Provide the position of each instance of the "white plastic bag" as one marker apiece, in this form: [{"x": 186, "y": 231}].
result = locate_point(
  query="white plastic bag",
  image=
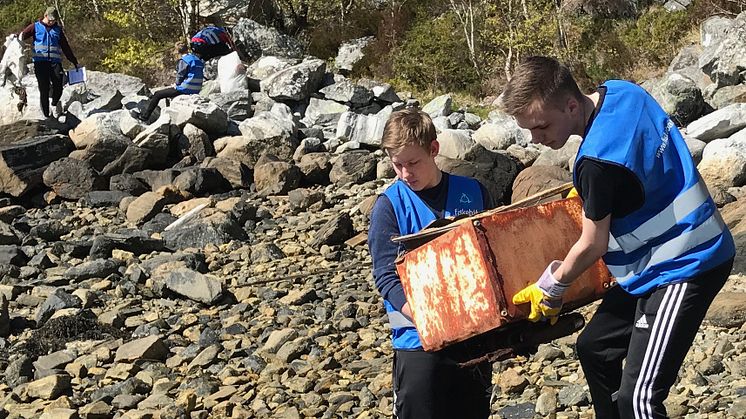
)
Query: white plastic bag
[
  {"x": 13, "y": 63},
  {"x": 231, "y": 73}
]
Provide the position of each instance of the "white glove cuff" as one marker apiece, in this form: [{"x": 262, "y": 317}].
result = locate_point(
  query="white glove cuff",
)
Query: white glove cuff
[{"x": 549, "y": 284}]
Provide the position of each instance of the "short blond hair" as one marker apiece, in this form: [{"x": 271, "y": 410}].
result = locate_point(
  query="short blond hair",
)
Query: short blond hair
[
  {"x": 408, "y": 126},
  {"x": 537, "y": 79}
]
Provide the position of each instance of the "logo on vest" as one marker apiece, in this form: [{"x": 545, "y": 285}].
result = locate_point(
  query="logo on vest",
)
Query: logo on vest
[
  {"x": 642, "y": 323},
  {"x": 465, "y": 199}
]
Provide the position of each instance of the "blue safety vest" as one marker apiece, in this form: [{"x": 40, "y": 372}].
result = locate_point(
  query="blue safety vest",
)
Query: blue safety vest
[
  {"x": 47, "y": 43},
  {"x": 209, "y": 35},
  {"x": 678, "y": 232},
  {"x": 412, "y": 215},
  {"x": 192, "y": 83}
]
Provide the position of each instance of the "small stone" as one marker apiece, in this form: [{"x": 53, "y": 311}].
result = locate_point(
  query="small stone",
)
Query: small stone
[
  {"x": 96, "y": 410},
  {"x": 60, "y": 413},
  {"x": 512, "y": 382},
  {"x": 148, "y": 348}
]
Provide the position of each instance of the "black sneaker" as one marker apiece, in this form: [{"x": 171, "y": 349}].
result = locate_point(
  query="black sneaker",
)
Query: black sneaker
[{"x": 137, "y": 115}]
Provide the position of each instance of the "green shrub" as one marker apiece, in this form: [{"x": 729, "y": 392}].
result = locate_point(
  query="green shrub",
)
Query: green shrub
[
  {"x": 657, "y": 35},
  {"x": 434, "y": 55},
  {"x": 137, "y": 57}
]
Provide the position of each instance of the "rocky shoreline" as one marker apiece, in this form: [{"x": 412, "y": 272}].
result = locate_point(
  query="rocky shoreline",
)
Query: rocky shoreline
[{"x": 213, "y": 263}]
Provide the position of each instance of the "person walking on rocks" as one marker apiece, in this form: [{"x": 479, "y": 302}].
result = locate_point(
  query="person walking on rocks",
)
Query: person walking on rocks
[
  {"x": 189, "y": 79},
  {"x": 427, "y": 385},
  {"x": 212, "y": 41},
  {"x": 50, "y": 44},
  {"x": 647, "y": 212}
]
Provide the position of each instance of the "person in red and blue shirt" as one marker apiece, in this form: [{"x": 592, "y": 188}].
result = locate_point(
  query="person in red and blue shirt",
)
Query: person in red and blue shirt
[
  {"x": 50, "y": 44},
  {"x": 212, "y": 41}
]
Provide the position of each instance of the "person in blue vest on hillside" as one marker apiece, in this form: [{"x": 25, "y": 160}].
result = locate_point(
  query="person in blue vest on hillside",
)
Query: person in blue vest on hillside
[
  {"x": 189, "y": 79},
  {"x": 427, "y": 385},
  {"x": 212, "y": 41},
  {"x": 50, "y": 44},
  {"x": 647, "y": 212}
]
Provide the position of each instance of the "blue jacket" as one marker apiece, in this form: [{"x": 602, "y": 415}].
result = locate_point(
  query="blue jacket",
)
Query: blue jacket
[
  {"x": 47, "y": 43},
  {"x": 412, "y": 215},
  {"x": 192, "y": 83},
  {"x": 678, "y": 232},
  {"x": 210, "y": 35}
]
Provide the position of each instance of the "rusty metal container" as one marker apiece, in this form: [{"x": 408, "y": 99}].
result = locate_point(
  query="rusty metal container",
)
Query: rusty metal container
[{"x": 461, "y": 283}]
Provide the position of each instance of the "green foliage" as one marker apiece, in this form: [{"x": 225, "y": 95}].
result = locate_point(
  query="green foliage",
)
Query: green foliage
[
  {"x": 657, "y": 35},
  {"x": 133, "y": 56},
  {"x": 433, "y": 55},
  {"x": 16, "y": 14}
]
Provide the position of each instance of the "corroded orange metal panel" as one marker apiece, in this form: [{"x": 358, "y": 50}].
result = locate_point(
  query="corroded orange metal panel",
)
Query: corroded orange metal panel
[
  {"x": 451, "y": 288},
  {"x": 461, "y": 284}
]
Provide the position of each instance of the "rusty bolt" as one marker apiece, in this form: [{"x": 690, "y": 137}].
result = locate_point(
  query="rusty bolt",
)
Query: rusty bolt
[{"x": 504, "y": 313}]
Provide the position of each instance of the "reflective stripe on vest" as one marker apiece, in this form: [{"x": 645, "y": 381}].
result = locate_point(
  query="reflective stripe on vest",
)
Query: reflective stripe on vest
[
  {"x": 412, "y": 215},
  {"x": 192, "y": 83},
  {"x": 47, "y": 43},
  {"x": 677, "y": 233}
]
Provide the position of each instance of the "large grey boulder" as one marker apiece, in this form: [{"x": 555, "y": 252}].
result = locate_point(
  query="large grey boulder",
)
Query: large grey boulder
[
  {"x": 210, "y": 228},
  {"x": 724, "y": 161},
  {"x": 276, "y": 177},
  {"x": 601, "y": 8},
  {"x": 678, "y": 95},
  {"x": 346, "y": 91},
  {"x": 97, "y": 128},
  {"x": 440, "y": 106},
  {"x": 71, "y": 178},
  {"x": 727, "y": 95},
  {"x": 538, "y": 178},
  {"x": 353, "y": 167},
  {"x": 383, "y": 92},
  {"x": 157, "y": 138},
  {"x": 499, "y": 134},
  {"x": 200, "y": 112},
  {"x": 364, "y": 129},
  {"x": 560, "y": 157},
  {"x": 22, "y": 164},
  {"x": 719, "y": 124},
  {"x": 256, "y": 40},
  {"x": 99, "y": 84},
  {"x": 269, "y": 65},
  {"x": 455, "y": 144},
  {"x": 350, "y": 53},
  {"x": 325, "y": 113},
  {"x": 272, "y": 132},
  {"x": 295, "y": 83},
  {"x": 713, "y": 30},
  {"x": 236, "y": 104},
  {"x": 496, "y": 171},
  {"x": 725, "y": 62}
]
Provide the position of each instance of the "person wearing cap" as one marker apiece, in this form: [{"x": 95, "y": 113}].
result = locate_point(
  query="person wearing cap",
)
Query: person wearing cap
[
  {"x": 50, "y": 44},
  {"x": 189, "y": 78},
  {"x": 212, "y": 41}
]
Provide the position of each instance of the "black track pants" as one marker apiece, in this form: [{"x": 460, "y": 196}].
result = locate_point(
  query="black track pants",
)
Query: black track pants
[
  {"x": 168, "y": 93},
  {"x": 653, "y": 333},
  {"x": 430, "y": 385},
  {"x": 48, "y": 77}
]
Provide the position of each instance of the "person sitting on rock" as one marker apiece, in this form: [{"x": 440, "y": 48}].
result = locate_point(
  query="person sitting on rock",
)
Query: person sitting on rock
[
  {"x": 189, "y": 78},
  {"x": 50, "y": 44},
  {"x": 212, "y": 41},
  {"x": 426, "y": 385}
]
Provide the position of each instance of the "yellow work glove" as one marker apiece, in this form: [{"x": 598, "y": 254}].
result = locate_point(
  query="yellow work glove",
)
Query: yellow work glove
[{"x": 545, "y": 296}]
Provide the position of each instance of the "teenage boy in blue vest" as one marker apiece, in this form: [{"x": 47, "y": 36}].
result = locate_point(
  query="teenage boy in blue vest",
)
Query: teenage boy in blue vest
[
  {"x": 647, "y": 212},
  {"x": 427, "y": 385},
  {"x": 189, "y": 79},
  {"x": 49, "y": 45}
]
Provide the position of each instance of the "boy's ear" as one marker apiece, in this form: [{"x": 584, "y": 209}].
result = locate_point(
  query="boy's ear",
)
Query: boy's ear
[{"x": 434, "y": 148}]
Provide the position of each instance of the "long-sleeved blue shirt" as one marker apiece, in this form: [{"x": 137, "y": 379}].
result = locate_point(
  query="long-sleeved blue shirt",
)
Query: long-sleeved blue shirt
[{"x": 383, "y": 226}]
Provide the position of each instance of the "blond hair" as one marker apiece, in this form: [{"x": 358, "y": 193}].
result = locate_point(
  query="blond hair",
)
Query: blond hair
[
  {"x": 542, "y": 80},
  {"x": 408, "y": 126}
]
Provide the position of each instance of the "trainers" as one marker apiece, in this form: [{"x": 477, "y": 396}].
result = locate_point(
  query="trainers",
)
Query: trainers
[
  {"x": 57, "y": 110},
  {"x": 137, "y": 115}
]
